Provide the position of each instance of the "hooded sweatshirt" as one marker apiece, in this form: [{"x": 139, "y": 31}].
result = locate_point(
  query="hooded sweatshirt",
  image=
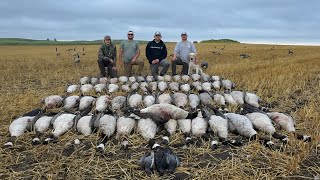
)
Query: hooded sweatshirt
[{"x": 156, "y": 50}]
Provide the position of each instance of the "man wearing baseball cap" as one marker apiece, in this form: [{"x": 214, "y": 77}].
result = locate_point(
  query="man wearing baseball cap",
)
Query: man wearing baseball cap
[
  {"x": 181, "y": 54},
  {"x": 107, "y": 58},
  {"x": 156, "y": 52}
]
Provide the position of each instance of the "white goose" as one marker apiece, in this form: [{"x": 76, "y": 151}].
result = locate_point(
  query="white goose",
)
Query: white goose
[
  {"x": 241, "y": 124},
  {"x": 118, "y": 102},
  {"x": 219, "y": 99},
  {"x": 70, "y": 102},
  {"x": 84, "y": 80},
  {"x": 162, "y": 86},
  {"x": 185, "y": 78},
  {"x": 132, "y": 79},
  {"x": 238, "y": 96},
  {"x": 170, "y": 127},
  {"x": 153, "y": 86},
  {"x": 112, "y": 88},
  {"x": 185, "y": 88},
  {"x": 252, "y": 99},
  {"x": 167, "y": 78},
  {"x": 205, "y": 77},
  {"x": 180, "y": 99},
  {"x": 113, "y": 80},
  {"x": 164, "y": 98},
  {"x": 86, "y": 88},
  {"x": 228, "y": 85},
  {"x": 103, "y": 80},
  {"x": 199, "y": 125},
  {"x": 125, "y": 88},
  {"x": 216, "y": 85},
  {"x": 123, "y": 79},
  {"x": 107, "y": 126},
  {"x": 86, "y": 101},
  {"x": 102, "y": 103},
  {"x": 206, "y": 86},
  {"x": 147, "y": 128},
  {"x": 94, "y": 81},
  {"x": 194, "y": 101},
  {"x": 41, "y": 124},
  {"x": 99, "y": 88},
  {"x": 135, "y": 100},
  {"x": 195, "y": 77},
  {"x": 215, "y": 78},
  {"x": 176, "y": 78},
  {"x": 149, "y": 78},
  {"x": 174, "y": 86},
  {"x": 52, "y": 101},
  {"x": 72, "y": 88},
  {"x": 125, "y": 125},
  {"x": 229, "y": 99}
]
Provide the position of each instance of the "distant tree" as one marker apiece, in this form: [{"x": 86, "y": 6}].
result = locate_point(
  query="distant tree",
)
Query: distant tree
[
  {"x": 195, "y": 41},
  {"x": 55, "y": 39},
  {"x": 48, "y": 39}
]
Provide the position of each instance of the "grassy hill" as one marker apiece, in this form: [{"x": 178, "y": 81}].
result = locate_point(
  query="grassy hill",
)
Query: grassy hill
[
  {"x": 21, "y": 41},
  {"x": 220, "y": 41}
]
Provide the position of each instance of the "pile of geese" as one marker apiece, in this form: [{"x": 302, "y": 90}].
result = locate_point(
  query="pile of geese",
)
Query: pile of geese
[{"x": 195, "y": 106}]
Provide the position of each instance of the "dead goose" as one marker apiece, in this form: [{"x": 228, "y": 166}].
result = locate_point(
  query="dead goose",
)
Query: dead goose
[
  {"x": 160, "y": 78},
  {"x": 107, "y": 126},
  {"x": 52, "y": 101},
  {"x": 86, "y": 88},
  {"x": 103, "y": 80},
  {"x": 86, "y": 101},
  {"x": 70, "y": 103},
  {"x": 72, "y": 89},
  {"x": 185, "y": 78},
  {"x": 205, "y": 97},
  {"x": 162, "y": 86},
  {"x": 84, "y": 80},
  {"x": 195, "y": 77},
  {"x": 194, "y": 101},
  {"x": 180, "y": 99},
  {"x": 215, "y": 78},
  {"x": 206, "y": 86},
  {"x": 197, "y": 86},
  {"x": 170, "y": 127},
  {"x": 252, "y": 99},
  {"x": 174, "y": 86},
  {"x": 94, "y": 81},
  {"x": 41, "y": 124},
  {"x": 216, "y": 85},
  {"x": 117, "y": 103},
  {"x": 101, "y": 103},
  {"x": 149, "y": 100},
  {"x": 144, "y": 86},
  {"x": 164, "y": 98},
  {"x": 112, "y": 88},
  {"x": 205, "y": 77},
  {"x": 134, "y": 86},
  {"x": 185, "y": 127},
  {"x": 167, "y": 78},
  {"x": 113, "y": 80},
  {"x": 125, "y": 88},
  {"x": 140, "y": 79},
  {"x": 147, "y": 128},
  {"x": 150, "y": 79},
  {"x": 219, "y": 99},
  {"x": 238, "y": 97},
  {"x": 125, "y": 125},
  {"x": 185, "y": 88},
  {"x": 199, "y": 125},
  {"x": 123, "y": 79},
  {"x": 241, "y": 124},
  {"x": 228, "y": 85},
  {"x": 229, "y": 99},
  {"x": 135, "y": 100},
  {"x": 132, "y": 79},
  {"x": 176, "y": 78},
  {"x": 99, "y": 88},
  {"x": 146, "y": 162},
  {"x": 153, "y": 86}
]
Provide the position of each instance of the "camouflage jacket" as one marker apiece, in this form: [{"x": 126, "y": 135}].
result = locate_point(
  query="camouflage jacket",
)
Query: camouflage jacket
[{"x": 106, "y": 52}]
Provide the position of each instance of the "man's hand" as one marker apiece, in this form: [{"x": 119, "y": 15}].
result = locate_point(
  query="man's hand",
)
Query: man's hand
[
  {"x": 114, "y": 68},
  {"x": 156, "y": 61},
  {"x": 133, "y": 60},
  {"x": 174, "y": 57}
]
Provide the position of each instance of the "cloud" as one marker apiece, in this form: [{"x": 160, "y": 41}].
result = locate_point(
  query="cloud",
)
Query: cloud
[{"x": 250, "y": 20}]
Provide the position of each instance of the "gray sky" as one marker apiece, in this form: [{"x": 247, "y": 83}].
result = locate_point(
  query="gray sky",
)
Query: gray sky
[{"x": 248, "y": 21}]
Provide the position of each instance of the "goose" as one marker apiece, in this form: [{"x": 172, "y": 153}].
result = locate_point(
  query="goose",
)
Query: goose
[
  {"x": 205, "y": 77},
  {"x": 113, "y": 80},
  {"x": 86, "y": 101},
  {"x": 216, "y": 85},
  {"x": 227, "y": 85},
  {"x": 197, "y": 85},
  {"x": 140, "y": 79},
  {"x": 215, "y": 78},
  {"x": 219, "y": 126},
  {"x": 263, "y": 123},
  {"x": 176, "y": 78},
  {"x": 153, "y": 86},
  {"x": 185, "y": 128},
  {"x": 185, "y": 78},
  {"x": 149, "y": 79},
  {"x": 84, "y": 80},
  {"x": 118, "y": 102},
  {"x": 162, "y": 86},
  {"x": 252, "y": 99},
  {"x": 199, "y": 125},
  {"x": 206, "y": 86},
  {"x": 205, "y": 97},
  {"x": 160, "y": 78},
  {"x": 99, "y": 88},
  {"x": 164, "y": 98},
  {"x": 149, "y": 100},
  {"x": 102, "y": 103},
  {"x": 125, "y": 125},
  {"x": 144, "y": 86},
  {"x": 229, "y": 99},
  {"x": 180, "y": 99},
  {"x": 194, "y": 101},
  {"x": 146, "y": 162},
  {"x": 41, "y": 124},
  {"x": 147, "y": 128},
  {"x": 162, "y": 113},
  {"x": 107, "y": 124},
  {"x": 61, "y": 124},
  {"x": 70, "y": 102},
  {"x": 52, "y": 101},
  {"x": 123, "y": 79},
  {"x": 103, "y": 80},
  {"x": 85, "y": 124},
  {"x": 238, "y": 96},
  {"x": 132, "y": 79},
  {"x": 134, "y": 86},
  {"x": 86, "y": 88},
  {"x": 219, "y": 99},
  {"x": 94, "y": 81},
  {"x": 112, "y": 88},
  {"x": 135, "y": 100},
  {"x": 72, "y": 89},
  {"x": 170, "y": 127},
  {"x": 195, "y": 77},
  {"x": 185, "y": 88},
  {"x": 165, "y": 159},
  {"x": 174, "y": 86},
  {"x": 125, "y": 88},
  {"x": 241, "y": 124},
  {"x": 167, "y": 78},
  {"x": 18, "y": 127}
]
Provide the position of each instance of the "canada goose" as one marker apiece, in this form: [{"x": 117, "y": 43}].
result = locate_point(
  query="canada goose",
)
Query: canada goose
[
  {"x": 86, "y": 101},
  {"x": 167, "y": 78},
  {"x": 41, "y": 124},
  {"x": 84, "y": 80},
  {"x": 147, "y": 128},
  {"x": 94, "y": 81},
  {"x": 238, "y": 97},
  {"x": 252, "y": 99},
  {"x": 107, "y": 126},
  {"x": 185, "y": 78},
  {"x": 195, "y": 77},
  {"x": 164, "y": 98},
  {"x": 132, "y": 79},
  {"x": 162, "y": 86},
  {"x": 176, "y": 78},
  {"x": 174, "y": 86},
  {"x": 228, "y": 85},
  {"x": 241, "y": 124},
  {"x": 123, "y": 79},
  {"x": 117, "y": 103},
  {"x": 194, "y": 101},
  {"x": 99, "y": 88},
  {"x": 101, "y": 103},
  {"x": 147, "y": 162},
  {"x": 180, "y": 99}
]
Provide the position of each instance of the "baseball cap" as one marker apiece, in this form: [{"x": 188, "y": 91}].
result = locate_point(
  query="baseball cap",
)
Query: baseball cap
[
  {"x": 107, "y": 37},
  {"x": 184, "y": 33},
  {"x": 157, "y": 33}
]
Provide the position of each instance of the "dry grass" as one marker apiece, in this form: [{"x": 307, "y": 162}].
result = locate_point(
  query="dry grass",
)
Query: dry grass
[{"x": 286, "y": 83}]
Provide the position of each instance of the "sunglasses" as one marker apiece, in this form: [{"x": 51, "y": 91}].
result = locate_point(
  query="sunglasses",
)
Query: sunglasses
[{"x": 130, "y": 34}]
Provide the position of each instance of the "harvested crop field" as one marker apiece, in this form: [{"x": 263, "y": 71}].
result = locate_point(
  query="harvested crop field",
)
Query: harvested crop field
[{"x": 285, "y": 83}]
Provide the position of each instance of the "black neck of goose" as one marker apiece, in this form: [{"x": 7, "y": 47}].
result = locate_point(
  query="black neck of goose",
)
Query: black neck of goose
[{"x": 192, "y": 115}]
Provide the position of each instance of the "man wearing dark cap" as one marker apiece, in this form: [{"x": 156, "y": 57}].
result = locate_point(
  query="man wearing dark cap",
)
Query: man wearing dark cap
[
  {"x": 129, "y": 53},
  {"x": 107, "y": 58},
  {"x": 181, "y": 55},
  {"x": 156, "y": 52}
]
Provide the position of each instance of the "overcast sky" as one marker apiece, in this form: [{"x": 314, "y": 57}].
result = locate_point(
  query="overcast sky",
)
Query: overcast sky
[{"x": 248, "y": 21}]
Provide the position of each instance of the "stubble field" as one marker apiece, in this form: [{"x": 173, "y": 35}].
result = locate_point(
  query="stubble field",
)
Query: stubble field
[{"x": 285, "y": 83}]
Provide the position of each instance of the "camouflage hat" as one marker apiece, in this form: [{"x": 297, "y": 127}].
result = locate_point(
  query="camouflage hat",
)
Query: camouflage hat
[{"x": 107, "y": 37}]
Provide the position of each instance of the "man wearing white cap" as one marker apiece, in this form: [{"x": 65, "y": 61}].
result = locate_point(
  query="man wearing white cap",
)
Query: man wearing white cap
[
  {"x": 156, "y": 52},
  {"x": 181, "y": 54}
]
